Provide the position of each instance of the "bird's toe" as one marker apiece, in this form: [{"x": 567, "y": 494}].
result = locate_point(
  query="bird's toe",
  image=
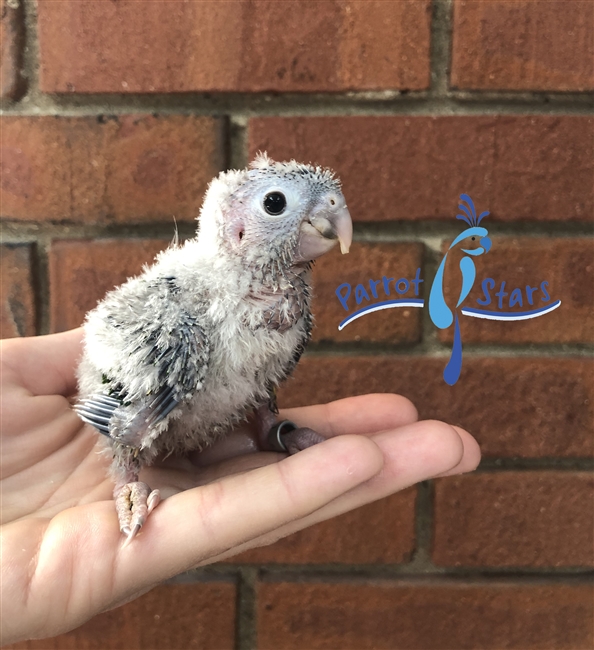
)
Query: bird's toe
[
  {"x": 287, "y": 437},
  {"x": 134, "y": 502}
]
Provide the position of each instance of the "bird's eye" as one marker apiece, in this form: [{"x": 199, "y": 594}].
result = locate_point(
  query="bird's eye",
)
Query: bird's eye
[
  {"x": 473, "y": 238},
  {"x": 275, "y": 203}
]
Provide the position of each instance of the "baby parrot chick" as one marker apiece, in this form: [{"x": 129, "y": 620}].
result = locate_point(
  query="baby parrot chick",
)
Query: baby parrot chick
[{"x": 174, "y": 358}]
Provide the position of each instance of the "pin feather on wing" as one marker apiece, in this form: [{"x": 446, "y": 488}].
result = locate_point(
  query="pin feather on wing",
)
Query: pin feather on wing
[{"x": 162, "y": 361}]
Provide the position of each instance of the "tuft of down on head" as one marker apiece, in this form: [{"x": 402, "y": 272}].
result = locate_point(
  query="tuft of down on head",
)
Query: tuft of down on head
[
  {"x": 274, "y": 212},
  {"x": 323, "y": 175}
]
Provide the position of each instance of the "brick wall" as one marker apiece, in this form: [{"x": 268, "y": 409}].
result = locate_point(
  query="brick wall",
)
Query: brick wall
[{"x": 116, "y": 115}]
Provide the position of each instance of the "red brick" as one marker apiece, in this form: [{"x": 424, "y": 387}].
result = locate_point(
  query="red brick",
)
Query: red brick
[
  {"x": 415, "y": 615},
  {"x": 380, "y": 533},
  {"x": 17, "y": 294},
  {"x": 401, "y": 168},
  {"x": 200, "y": 615},
  {"x": 523, "y": 45},
  {"x": 90, "y": 46},
  {"x": 133, "y": 168},
  {"x": 520, "y": 519},
  {"x": 11, "y": 49},
  {"x": 543, "y": 169},
  {"x": 522, "y": 406},
  {"x": 568, "y": 267},
  {"x": 83, "y": 271},
  {"x": 364, "y": 263}
]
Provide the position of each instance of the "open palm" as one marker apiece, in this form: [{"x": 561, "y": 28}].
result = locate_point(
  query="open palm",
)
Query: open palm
[{"x": 63, "y": 558}]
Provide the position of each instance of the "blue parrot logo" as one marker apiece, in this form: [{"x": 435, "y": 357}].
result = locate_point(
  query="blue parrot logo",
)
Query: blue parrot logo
[
  {"x": 457, "y": 271},
  {"x": 473, "y": 241}
]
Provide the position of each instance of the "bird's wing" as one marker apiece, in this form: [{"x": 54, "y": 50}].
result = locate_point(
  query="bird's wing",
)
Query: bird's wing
[
  {"x": 468, "y": 276},
  {"x": 166, "y": 353}
]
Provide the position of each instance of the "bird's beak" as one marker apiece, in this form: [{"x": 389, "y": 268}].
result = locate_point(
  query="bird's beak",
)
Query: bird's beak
[
  {"x": 486, "y": 244},
  {"x": 322, "y": 230}
]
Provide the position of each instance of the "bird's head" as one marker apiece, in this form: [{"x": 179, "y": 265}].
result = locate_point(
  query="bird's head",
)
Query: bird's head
[
  {"x": 282, "y": 213},
  {"x": 473, "y": 241}
]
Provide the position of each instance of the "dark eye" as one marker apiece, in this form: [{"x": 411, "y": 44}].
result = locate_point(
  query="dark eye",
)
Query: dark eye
[
  {"x": 275, "y": 203},
  {"x": 473, "y": 238}
]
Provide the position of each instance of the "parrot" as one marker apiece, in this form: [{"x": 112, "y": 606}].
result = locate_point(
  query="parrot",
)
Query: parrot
[
  {"x": 473, "y": 242},
  {"x": 174, "y": 358}
]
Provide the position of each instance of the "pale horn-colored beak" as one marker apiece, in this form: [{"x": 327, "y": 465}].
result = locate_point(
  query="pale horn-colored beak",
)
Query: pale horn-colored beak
[{"x": 323, "y": 230}]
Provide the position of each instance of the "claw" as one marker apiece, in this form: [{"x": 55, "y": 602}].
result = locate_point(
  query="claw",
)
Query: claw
[
  {"x": 154, "y": 498},
  {"x": 131, "y": 535}
]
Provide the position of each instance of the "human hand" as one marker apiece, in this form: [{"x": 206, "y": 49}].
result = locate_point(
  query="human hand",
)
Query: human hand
[{"x": 63, "y": 558}]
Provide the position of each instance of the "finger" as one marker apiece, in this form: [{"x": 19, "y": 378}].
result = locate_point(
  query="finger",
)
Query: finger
[
  {"x": 237, "y": 463},
  {"x": 361, "y": 415},
  {"x": 173, "y": 477},
  {"x": 195, "y": 525},
  {"x": 470, "y": 458},
  {"x": 414, "y": 453},
  {"x": 45, "y": 365}
]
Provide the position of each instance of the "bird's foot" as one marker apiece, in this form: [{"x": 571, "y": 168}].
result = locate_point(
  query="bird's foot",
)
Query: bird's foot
[
  {"x": 134, "y": 503},
  {"x": 287, "y": 437}
]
